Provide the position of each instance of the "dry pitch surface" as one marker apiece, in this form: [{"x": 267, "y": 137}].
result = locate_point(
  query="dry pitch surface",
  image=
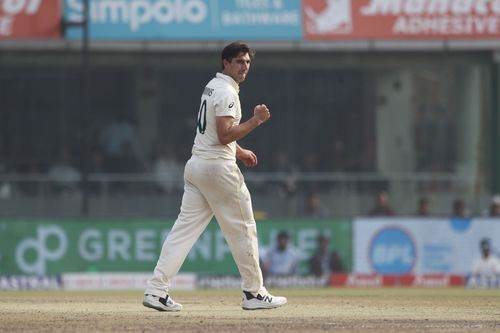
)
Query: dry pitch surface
[{"x": 308, "y": 310}]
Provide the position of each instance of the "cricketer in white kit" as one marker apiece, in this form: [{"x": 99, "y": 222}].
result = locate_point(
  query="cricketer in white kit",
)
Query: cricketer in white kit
[{"x": 214, "y": 186}]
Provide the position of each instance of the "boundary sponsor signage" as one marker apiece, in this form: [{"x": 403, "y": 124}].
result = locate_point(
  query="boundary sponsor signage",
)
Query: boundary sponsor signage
[
  {"x": 408, "y": 280},
  {"x": 401, "y": 19},
  {"x": 23, "y": 282},
  {"x": 189, "y": 19},
  {"x": 55, "y": 247},
  {"x": 292, "y": 281},
  {"x": 400, "y": 246},
  {"x": 121, "y": 281},
  {"x": 29, "y": 19}
]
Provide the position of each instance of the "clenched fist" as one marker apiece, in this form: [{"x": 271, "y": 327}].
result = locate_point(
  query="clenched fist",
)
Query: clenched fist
[{"x": 261, "y": 113}]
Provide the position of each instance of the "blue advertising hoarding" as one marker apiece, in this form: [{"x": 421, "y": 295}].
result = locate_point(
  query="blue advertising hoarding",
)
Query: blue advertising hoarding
[{"x": 188, "y": 19}]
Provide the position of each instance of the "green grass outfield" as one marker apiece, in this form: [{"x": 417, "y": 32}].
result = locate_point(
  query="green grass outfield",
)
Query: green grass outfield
[{"x": 308, "y": 310}]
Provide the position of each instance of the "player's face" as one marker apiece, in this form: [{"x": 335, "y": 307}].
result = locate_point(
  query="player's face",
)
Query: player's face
[{"x": 238, "y": 67}]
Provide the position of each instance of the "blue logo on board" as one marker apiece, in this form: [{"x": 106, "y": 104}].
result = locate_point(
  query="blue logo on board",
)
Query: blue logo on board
[{"x": 392, "y": 251}]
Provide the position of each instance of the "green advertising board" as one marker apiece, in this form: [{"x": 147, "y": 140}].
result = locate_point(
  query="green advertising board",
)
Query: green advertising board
[{"x": 46, "y": 247}]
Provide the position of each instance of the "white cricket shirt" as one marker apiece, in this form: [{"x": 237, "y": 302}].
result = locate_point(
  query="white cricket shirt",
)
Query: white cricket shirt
[
  {"x": 219, "y": 98},
  {"x": 486, "y": 266}
]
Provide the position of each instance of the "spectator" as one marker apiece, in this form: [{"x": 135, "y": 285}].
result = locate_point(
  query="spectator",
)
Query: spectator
[
  {"x": 121, "y": 146},
  {"x": 280, "y": 259},
  {"x": 423, "y": 207},
  {"x": 313, "y": 207},
  {"x": 64, "y": 175},
  {"x": 494, "y": 210},
  {"x": 382, "y": 206},
  {"x": 487, "y": 265},
  {"x": 323, "y": 261},
  {"x": 459, "y": 210},
  {"x": 167, "y": 170}
]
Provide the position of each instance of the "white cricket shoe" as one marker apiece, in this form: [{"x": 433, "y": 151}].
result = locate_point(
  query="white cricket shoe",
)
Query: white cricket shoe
[
  {"x": 160, "y": 303},
  {"x": 263, "y": 300}
]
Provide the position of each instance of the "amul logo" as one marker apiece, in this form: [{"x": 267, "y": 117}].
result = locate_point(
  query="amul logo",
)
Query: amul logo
[{"x": 50, "y": 244}]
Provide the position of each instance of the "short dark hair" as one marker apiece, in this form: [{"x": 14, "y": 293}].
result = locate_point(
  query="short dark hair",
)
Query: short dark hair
[
  {"x": 233, "y": 50},
  {"x": 283, "y": 234},
  {"x": 484, "y": 244}
]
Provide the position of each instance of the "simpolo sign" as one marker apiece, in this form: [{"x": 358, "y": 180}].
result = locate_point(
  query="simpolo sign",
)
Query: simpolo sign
[
  {"x": 188, "y": 19},
  {"x": 54, "y": 247}
]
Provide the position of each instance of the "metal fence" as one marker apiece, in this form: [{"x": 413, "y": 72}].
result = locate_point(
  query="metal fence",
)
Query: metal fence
[{"x": 274, "y": 194}]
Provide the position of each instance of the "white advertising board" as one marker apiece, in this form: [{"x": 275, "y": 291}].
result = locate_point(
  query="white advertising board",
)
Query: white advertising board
[{"x": 393, "y": 245}]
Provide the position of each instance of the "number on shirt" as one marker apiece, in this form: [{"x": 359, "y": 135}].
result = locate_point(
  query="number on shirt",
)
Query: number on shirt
[{"x": 202, "y": 117}]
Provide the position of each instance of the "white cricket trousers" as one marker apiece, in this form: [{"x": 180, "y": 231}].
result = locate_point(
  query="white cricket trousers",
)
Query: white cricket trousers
[{"x": 211, "y": 187}]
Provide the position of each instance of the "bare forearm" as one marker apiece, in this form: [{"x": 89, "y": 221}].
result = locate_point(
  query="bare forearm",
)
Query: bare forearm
[
  {"x": 228, "y": 132},
  {"x": 237, "y": 132}
]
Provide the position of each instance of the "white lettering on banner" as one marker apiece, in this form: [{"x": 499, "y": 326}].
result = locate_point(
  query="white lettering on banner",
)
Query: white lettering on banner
[
  {"x": 145, "y": 245},
  {"x": 90, "y": 245},
  {"x": 431, "y": 7},
  {"x": 221, "y": 248},
  {"x": 210, "y": 246},
  {"x": 265, "y": 18},
  {"x": 432, "y": 281},
  {"x": 388, "y": 254},
  {"x": 14, "y": 7},
  {"x": 447, "y": 25},
  {"x": 438, "y": 6},
  {"x": 414, "y": 7},
  {"x": 40, "y": 246},
  {"x": 253, "y": 4},
  {"x": 136, "y": 13},
  {"x": 364, "y": 281},
  {"x": 307, "y": 242},
  {"x": 382, "y": 7},
  {"x": 119, "y": 242},
  {"x": 461, "y": 7},
  {"x": 5, "y": 25},
  {"x": 202, "y": 246},
  {"x": 260, "y": 4}
]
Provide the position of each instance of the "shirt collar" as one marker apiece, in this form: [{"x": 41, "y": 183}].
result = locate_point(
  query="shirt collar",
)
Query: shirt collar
[{"x": 229, "y": 80}]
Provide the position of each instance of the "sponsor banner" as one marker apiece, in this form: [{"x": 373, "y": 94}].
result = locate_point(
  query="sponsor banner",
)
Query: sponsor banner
[
  {"x": 420, "y": 246},
  {"x": 55, "y": 247},
  {"x": 401, "y": 19},
  {"x": 218, "y": 282},
  {"x": 189, "y": 19},
  {"x": 23, "y": 282},
  {"x": 121, "y": 281},
  {"x": 29, "y": 19},
  {"x": 295, "y": 281},
  {"x": 234, "y": 282},
  {"x": 483, "y": 281},
  {"x": 378, "y": 280}
]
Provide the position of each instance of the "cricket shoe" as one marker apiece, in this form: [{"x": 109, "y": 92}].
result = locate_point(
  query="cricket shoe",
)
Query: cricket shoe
[
  {"x": 160, "y": 303},
  {"x": 263, "y": 300}
]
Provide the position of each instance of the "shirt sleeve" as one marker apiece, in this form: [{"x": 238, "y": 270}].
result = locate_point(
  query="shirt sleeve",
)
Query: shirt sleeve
[{"x": 225, "y": 105}]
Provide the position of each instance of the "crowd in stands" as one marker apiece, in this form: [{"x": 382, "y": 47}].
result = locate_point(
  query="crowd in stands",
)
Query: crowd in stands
[
  {"x": 281, "y": 259},
  {"x": 114, "y": 149}
]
